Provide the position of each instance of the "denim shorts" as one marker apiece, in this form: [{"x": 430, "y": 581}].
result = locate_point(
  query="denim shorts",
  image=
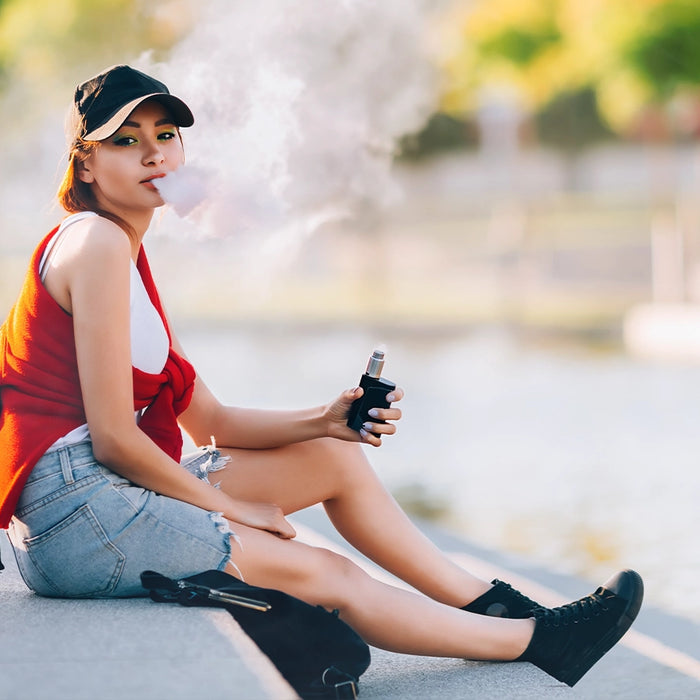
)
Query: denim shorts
[{"x": 82, "y": 531}]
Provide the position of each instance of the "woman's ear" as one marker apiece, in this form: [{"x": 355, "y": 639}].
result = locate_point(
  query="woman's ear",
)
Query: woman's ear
[{"x": 82, "y": 168}]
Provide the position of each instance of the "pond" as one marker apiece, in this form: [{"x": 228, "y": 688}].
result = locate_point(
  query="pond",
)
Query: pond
[{"x": 583, "y": 461}]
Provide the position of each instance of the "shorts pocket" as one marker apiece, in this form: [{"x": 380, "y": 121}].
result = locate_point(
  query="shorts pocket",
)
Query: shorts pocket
[{"x": 74, "y": 558}]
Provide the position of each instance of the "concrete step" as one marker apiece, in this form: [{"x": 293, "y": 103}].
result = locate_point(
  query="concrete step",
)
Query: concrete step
[
  {"x": 136, "y": 649},
  {"x": 61, "y": 649},
  {"x": 658, "y": 658}
]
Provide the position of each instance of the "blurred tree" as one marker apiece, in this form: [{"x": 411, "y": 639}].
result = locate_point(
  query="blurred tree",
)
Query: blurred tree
[
  {"x": 666, "y": 52},
  {"x": 47, "y": 45},
  {"x": 571, "y": 120},
  {"x": 558, "y": 54},
  {"x": 442, "y": 133},
  {"x": 665, "y": 58}
]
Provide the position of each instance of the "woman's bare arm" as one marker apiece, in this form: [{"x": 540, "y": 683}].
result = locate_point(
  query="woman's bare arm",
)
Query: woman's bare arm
[
  {"x": 94, "y": 269},
  {"x": 264, "y": 428}
]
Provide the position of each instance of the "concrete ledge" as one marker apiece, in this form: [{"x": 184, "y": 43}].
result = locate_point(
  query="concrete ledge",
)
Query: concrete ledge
[
  {"x": 136, "y": 649},
  {"x": 400, "y": 677},
  {"x": 133, "y": 648},
  {"x": 60, "y": 649}
]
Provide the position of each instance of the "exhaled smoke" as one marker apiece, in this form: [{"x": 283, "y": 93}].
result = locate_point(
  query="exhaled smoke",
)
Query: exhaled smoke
[
  {"x": 185, "y": 189},
  {"x": 299, "y": 106}
]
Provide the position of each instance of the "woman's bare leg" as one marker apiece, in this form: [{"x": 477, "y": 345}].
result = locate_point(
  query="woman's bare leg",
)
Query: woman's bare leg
[
  {"x": 386, "y": 617},
  {"x": 339, "y": 475}
]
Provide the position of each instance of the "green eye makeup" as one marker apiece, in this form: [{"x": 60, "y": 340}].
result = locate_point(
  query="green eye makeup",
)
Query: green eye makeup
[{"x": 123, "y": 140}]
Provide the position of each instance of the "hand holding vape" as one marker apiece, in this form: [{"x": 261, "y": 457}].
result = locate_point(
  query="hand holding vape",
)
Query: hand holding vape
[{"x": 375, "y": 390}]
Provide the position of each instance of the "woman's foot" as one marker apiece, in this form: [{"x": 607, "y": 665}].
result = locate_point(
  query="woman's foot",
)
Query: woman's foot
[{"x": 569, "y": 639}]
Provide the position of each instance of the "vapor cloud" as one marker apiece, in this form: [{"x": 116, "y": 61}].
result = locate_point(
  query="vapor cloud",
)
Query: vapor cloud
[{"x": 299, "y": 107}]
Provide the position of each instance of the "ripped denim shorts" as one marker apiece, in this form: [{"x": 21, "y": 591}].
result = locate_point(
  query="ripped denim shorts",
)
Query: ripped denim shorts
[{"x": 80, "y": 530}]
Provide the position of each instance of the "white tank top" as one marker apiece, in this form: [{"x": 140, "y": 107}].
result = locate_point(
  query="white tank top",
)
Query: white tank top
[{"x": 149, "y": 339}]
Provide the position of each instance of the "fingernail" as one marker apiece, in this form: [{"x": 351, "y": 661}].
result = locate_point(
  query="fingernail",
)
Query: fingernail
[
  {"x": 390, "y": 398},
  {"x": 367, "y": 426},
  {"x": 373, "y": 412},
  {"x": 363, "y": 433}
]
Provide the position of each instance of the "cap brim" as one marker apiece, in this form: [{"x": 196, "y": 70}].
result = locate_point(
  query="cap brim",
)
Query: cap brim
[{"x": 180, "y": 111}]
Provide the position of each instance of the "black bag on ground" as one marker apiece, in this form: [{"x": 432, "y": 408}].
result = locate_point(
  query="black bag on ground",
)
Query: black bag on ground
[{"x": 316, "y": 652}]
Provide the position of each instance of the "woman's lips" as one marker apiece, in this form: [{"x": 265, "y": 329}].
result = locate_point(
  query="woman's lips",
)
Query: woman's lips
[{"x": 148, "y": 182}]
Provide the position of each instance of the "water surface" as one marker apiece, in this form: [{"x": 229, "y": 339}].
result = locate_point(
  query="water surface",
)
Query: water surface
[{"x": 585, "y": 462}]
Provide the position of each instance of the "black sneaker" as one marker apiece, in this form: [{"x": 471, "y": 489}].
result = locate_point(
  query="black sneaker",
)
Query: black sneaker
[
  {"x": 503, "y": 601},
  {"x": 569, "y": 639}
]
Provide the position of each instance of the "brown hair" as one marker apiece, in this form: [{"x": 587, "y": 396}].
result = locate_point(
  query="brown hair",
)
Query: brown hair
[{"x": 74, "y": 195}]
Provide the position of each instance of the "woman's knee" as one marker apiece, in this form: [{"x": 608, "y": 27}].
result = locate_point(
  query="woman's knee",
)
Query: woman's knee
[
  {"x": 314, "y": 574},
  {"x": 334, "y": 579},
  {"x": 346, "y": 460},
  {"x": 322, "y": 569}
]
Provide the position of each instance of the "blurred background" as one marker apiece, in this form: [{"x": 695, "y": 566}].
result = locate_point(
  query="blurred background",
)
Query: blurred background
[{"x": 503, "y": 192}]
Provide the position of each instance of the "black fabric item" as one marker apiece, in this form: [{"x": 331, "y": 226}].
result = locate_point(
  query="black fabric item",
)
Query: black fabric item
[
  {"x": 1, "y": 564},
  {"x": 503, "y": 601},
  {"x": 569, "y": 639},
  {"x": 316, "y": 652}
]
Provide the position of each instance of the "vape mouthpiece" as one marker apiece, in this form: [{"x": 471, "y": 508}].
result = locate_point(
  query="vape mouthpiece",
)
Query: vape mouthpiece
[{"x": 375, "y": 364}]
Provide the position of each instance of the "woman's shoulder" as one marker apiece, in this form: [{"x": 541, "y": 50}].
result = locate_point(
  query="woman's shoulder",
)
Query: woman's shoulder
[
  {"x": 94, "y": 235},
  {"x": 92, "y": 254}
]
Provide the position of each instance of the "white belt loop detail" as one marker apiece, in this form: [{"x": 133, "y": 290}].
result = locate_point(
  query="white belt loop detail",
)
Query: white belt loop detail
[{"x": 66, "y": 469}]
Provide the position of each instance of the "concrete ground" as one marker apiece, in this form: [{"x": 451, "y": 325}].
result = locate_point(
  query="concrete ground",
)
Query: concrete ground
[
  {"x": 114, "y": 649},
  {"x": 658, "y": 658}
]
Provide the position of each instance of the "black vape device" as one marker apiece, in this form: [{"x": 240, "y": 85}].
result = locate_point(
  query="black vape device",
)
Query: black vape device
[{"x": 375, "y": 387}]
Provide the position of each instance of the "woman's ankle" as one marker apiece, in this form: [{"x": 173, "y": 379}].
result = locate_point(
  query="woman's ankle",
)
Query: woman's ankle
[
  {"x": 502, "y": 600},
  {"x": 477, "y": 588},
  {"x": 523, "y": 638}
]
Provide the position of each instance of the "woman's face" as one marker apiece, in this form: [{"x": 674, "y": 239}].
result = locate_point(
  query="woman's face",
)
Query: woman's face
[{"x": 122, "y": 169}]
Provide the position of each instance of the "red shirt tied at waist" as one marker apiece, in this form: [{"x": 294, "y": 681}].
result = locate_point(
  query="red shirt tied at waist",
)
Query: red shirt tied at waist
[{"x": 40, "y": 397}]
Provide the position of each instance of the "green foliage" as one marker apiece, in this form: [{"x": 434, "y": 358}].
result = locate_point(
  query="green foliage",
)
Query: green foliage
[
  {"x": 667, "y": 52},
  {"x": 634, "y": 58},
  {"x": 572, "y": 120},
  {"x": 443, "y": 132},
  {"x": 3, "y": 72},
  {"x": 520, "y": 45},
  {"x": 48, "y": 45}
]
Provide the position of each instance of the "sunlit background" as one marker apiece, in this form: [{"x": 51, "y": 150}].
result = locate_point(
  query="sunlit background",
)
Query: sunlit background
[{"x": 504, "y": 192}]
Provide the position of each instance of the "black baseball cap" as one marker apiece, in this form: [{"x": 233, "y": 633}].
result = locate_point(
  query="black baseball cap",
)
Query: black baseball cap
[{"x": 102, "y": 103}]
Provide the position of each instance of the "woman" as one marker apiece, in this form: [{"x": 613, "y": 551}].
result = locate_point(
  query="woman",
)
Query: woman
[{"x": 95, "y": 388}]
